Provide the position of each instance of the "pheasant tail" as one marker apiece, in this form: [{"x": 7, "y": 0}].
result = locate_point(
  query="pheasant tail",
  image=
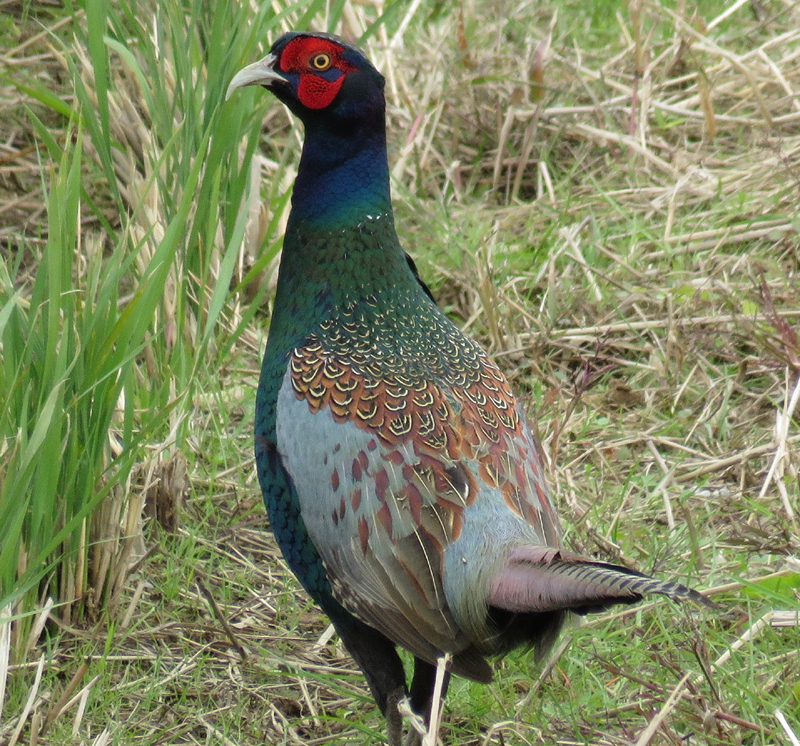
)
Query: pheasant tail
[{"x": 540, "y": 579}]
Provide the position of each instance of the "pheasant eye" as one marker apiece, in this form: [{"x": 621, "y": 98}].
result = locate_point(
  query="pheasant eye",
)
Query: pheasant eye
[{"x": 321, "y": 61}]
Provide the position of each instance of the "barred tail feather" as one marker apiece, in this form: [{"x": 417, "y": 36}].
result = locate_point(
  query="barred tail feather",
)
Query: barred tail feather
[{"x": 540, "y": 579}]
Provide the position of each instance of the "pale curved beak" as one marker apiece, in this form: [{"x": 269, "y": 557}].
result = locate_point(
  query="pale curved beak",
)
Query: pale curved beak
[{"x": 259, "y": 73}]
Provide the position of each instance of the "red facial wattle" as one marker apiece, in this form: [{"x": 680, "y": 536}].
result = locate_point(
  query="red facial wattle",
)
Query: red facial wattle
[
  {"x": 316, "y": 88},
  {"x": 315, "y": 92}
]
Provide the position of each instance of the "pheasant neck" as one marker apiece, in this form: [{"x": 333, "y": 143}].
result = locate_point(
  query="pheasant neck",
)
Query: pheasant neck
[
  {"x": 342, "y": 180},
  {"x": 341, "y": 249}
]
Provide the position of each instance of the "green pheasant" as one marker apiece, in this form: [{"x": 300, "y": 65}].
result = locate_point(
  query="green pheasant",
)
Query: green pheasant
[{"x": 400, "y": 475}]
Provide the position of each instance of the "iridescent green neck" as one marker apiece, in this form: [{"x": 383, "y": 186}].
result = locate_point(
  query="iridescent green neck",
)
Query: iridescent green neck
[
  {"x": 342, "y": 179},
  {"x": 340, "y": 246},
  {"x": 323, "y": 271}
]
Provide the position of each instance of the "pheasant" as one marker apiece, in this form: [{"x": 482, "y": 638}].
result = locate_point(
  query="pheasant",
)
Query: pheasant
[{"x": 402, "y": 481}]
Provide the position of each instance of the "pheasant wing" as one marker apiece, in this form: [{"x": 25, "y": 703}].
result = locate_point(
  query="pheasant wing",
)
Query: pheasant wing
[{"x": 395, "y": 466}]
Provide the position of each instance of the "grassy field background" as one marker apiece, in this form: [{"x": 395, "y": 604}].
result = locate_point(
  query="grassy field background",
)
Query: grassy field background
[{"x": 605, "y": 195}]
